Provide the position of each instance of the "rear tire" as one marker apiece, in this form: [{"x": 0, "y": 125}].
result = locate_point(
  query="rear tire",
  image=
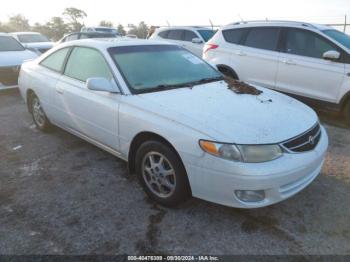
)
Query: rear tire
[
  {"x": 346, "y": 113},
  {"x": 162, "y": 174},
  {"x": 38, "y": 114}
]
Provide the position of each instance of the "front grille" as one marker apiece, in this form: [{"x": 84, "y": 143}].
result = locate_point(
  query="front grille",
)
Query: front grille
[
  {"x": 306, "y": 141},
  {"x": 9, "y": 75}
]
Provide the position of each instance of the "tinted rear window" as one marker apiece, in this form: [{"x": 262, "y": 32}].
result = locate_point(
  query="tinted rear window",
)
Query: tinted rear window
[
  {"x": 164, "y": 34},
  {"x": 189, "y": 35},
  {"x": 206, "y": 34},
  {"x": 33, "y": 38},
  {"x": 262, "y": 38},
  {"x": 175, "y": 34},
  {"x": 234, "y": 36}
]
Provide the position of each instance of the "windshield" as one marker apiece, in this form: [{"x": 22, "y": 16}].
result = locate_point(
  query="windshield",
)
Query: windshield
[
  {"x": 151, "y": 68},
  {"x": 8, "y": 43},
  {"x": 34, "y": 38},
  {"x": 338, "y": 36},
  {"x": 206, "y": 34}
]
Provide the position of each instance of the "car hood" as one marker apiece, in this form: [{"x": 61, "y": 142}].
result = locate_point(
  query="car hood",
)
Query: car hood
[
  {"x": 14, "y": 58},
  {"x": 39, "y": 45},
  {"x": 225, "y": 116}
]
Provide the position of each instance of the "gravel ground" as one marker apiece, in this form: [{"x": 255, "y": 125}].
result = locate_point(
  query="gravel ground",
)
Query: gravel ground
[{"x": 61, "y": 195}]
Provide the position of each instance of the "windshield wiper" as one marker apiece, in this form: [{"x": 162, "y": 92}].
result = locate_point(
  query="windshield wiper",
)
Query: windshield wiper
[
  {"x": 164, "y": 87},
  {"x": 206, "y": 80}
]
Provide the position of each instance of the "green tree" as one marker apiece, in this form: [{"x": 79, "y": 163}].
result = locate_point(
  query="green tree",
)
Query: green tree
[
  {"x": 141, "y": 30},
  {"x": 18, "y": 23},
  {"x": 4, "y": 28},
  {"x": 106, "y": 23},
  {"x": 54, "y": 29},
  {"x": 121, "y": 29},
  {"x": 74, "y": 16}
]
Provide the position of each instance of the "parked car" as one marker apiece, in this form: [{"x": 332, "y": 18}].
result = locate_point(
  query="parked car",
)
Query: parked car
[
  {"x": 33, "y": 41},
  {"x": 191, "y": 38},
  {"x": 174, "y": 120},
  {"x": 309, "y": 61},
  {"x": 79, "y": 35},
  {"x": 101, "y": 29},
  {"x": 12, "y": 55}
]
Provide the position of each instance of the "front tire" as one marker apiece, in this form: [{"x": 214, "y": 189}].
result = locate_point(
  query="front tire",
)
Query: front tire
[
  {"x": 162, "y": 174},
  {"x": 38, "y": 114},
  {"x": 346, "y": 113}
]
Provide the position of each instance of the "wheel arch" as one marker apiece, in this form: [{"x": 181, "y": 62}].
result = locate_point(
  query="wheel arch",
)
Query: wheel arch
[
  {"x": 29, "y": 94},
  {"x": 141, "y": 138},
  {"x": 225, "y": 68},
  {"x": 345, "y": 100}
]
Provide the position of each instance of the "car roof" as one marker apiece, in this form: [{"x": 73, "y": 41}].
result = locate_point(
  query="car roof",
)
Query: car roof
[
  {"x": 258, "y": 23},
  {"x": 89, "y": 33},
  {"x": 183, "y": 28},
  {"x": 104, "y": 43},
  {"x": 106, "y": 27},
  {"x": 25, "y": 33},
  {"x": 4, "y": 34}
]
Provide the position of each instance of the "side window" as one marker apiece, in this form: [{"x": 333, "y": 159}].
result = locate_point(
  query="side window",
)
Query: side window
[
  {"x": 164, "y": 34},
  {"x": 189, "y": 35},
  {"x": 93, "y": 65},
  {"x": 305, "y": 43},
  {"x": 176, "y": 35},
  {"x": 72, "y": 37},
  {"x": 234, "y": 36},
  {"x": 84, "y": 36},
  {"x": 263, "y": 38},
  {"x": 55, "y": 61}
]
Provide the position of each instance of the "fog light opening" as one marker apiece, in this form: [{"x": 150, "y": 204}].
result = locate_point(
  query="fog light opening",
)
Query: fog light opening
[{"x": 250, "y": 196}]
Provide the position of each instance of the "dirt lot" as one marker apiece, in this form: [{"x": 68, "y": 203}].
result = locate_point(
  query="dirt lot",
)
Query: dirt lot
[{"x": 59, "y": 194}]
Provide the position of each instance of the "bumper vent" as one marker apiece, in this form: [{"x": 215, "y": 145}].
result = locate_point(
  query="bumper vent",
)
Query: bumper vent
[{"x": 304, "y": 142}]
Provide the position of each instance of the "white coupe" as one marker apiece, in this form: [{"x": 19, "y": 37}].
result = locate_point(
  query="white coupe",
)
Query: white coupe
[{"x": 176, "y": 122}]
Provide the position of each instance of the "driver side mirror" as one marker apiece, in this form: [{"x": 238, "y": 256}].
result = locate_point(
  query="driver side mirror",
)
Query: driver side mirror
[
  {"x": 331, "y": 55},
  {"x": 100, "y": 84},
  {"x": 197, "y": 40}
]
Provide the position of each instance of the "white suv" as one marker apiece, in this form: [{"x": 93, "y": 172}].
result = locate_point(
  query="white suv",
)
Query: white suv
[
  {"x": 191, "y": 38},
  {"x": 306, "y": 60}
]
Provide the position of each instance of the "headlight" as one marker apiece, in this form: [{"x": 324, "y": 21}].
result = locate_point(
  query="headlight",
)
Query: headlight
[{"x": 242, "y": 153}]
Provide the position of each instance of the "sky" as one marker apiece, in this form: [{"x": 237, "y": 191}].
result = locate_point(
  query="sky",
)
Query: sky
[{"x": 181, "y": 12}]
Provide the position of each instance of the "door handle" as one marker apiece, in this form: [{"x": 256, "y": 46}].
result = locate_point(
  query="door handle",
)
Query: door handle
[
  {"x": 59, "y": 90},
  {"x": 289, "y": 62},
  {"x": 241, "y": 53}
]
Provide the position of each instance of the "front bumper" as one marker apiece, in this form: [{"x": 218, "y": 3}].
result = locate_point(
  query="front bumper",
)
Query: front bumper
[
  {"x": 215, "y": 180},
  {"x": 9, "y": 77}
]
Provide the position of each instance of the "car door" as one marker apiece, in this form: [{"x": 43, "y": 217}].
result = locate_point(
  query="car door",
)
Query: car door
[
  {"x": 256, "y": 57},
  {"x": 93, "y": 114},
  {"x": 195, "y": 48},
  {"x": 302, "y": 69},
  {"x": 46, "y": 78}
]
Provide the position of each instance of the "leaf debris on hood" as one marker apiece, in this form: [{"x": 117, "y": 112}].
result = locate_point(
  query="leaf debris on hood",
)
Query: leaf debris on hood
[{"x": 240, "y": 87}]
